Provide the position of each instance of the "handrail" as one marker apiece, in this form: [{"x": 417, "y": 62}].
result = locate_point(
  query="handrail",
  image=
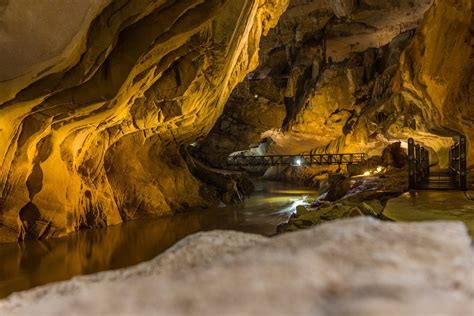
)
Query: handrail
[
  {"x": 306, "y": 159},
  {"x": 458, "y": 163},
  {"x": 418, "y": 164},
  {"x": 419, "y": 167}
]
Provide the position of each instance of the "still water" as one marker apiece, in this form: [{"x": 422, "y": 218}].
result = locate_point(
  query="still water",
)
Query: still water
[
  {"x": 32, "y": 263},
  {"x": 432, "y": 205}
]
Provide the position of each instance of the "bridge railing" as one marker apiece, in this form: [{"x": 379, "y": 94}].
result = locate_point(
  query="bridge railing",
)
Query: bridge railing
[
  {"x": 301, "y": 159},
  {"x": 418, "y": 164},
  {"x": 458, "y": 163}
]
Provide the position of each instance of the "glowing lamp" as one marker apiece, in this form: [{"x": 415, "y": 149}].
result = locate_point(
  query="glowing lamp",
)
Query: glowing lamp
[{"x": 298, "y": 162}]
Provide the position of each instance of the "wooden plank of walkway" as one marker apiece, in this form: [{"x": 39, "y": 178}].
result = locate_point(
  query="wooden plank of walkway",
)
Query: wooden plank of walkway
[{"x": 440, "y": 180}]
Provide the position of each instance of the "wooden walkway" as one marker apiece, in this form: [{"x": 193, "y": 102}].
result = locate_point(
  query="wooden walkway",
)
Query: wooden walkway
[{"x": 422, "y": 178}]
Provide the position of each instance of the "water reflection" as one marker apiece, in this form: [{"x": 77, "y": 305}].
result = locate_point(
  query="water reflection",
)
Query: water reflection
[
  {"x": 32, "y": 263},
  {"x": 432, "y": 205}
]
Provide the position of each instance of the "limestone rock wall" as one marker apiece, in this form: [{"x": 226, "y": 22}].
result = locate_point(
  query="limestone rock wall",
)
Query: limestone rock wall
[
  {"x": 435, "y": 78},
  {"x": 430, "y": 91},
  {"x": 253, "y": 108},
  {"x": 97, "y": 97},
  {"x": 363, "y": 74}
]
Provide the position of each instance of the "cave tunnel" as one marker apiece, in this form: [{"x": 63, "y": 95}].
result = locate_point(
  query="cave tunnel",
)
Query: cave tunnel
[{"x": 236, "y": 157}]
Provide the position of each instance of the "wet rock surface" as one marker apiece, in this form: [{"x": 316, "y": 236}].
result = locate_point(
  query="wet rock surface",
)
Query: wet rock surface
[
  {"x": 358, "y": 266},
  {"x": 394, "y": 156},
  {"x": 93, "y": 114},
  {"x": 343, "y": 195}
]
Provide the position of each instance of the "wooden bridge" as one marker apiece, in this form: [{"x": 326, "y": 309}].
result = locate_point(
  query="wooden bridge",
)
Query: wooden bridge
[
  {"x": 307, "y": 159},
  {"x": 420, "y": 176}
]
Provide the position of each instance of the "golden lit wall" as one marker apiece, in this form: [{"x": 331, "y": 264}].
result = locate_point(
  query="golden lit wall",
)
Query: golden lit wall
[
  {"x": 96, "y": 97},
  {"x": 425, "y": 91}
]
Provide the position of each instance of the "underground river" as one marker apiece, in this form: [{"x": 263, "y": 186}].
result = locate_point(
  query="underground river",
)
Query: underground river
[{"x": 32, "y": 263}]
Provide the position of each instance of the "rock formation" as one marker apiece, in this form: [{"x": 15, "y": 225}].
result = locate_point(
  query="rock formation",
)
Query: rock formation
[
  {"x": 358, "y": 267},
  {"x": 364, "y": 74},
  {"x": 97, "y": 97},
  {"x": 95, "y": 108}
]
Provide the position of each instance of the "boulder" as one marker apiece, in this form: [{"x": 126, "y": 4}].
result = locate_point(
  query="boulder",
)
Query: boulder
[
  {"x": 301, "y": 210},
  {"x": 335, "y": 187},
  {"x": 372, "y": 208},
  {"x": 394, "y": 156},
  {"x": 358, "y": 266}
]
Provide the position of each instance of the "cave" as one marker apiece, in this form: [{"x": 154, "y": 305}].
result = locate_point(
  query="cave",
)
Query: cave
[{"x": 237, "y": 157}]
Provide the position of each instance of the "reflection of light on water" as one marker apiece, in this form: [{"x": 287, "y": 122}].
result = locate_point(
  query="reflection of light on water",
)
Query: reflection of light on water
[
  {"x": 292, "y": 192},
  {"x": 292, "y": 207},
  {"x": 271, "y": 204},
  {"x": 141, "y": 240}
]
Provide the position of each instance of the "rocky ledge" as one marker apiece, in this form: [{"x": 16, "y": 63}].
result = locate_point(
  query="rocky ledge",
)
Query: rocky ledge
[{"x": 362, "y": 266}]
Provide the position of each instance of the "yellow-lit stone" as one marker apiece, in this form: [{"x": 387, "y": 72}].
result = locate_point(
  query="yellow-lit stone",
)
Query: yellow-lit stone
[{"x": 90, "y": 132}]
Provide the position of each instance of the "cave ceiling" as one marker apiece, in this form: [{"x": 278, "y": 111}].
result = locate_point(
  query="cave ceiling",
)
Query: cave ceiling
[{"x": 353, "y": 76}]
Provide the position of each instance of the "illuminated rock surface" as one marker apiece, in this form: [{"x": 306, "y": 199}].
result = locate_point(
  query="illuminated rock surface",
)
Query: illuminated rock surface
[
  {"x": 358, "y": 266},
  {"x": 95, "y": 105},
  {"x": 381, "y": 72}
]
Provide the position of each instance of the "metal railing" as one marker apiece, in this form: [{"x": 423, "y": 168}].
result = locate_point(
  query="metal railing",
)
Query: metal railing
[
  {"x": 458, "y": 163},
  {"x": 301, "y": 159},
  {"x": 419, "y": 165}
]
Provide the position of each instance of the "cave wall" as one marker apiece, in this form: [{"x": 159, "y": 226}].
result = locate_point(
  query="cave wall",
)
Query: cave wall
[
  {"x": 252, "y": 109},
  {"x": 358, "y": 75},
  {"x": 436, "y": 76},
  {"x": 93, "y": 113},
  {"x": 430, "y": 93}
]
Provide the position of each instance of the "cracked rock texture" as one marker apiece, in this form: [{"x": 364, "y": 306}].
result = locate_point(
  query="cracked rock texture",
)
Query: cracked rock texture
[
  {"x": 355, "y": 266},
  {"x": 97, "y": 97}
]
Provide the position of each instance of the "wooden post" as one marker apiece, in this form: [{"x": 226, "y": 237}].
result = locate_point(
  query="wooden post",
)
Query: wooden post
[
  {"x": 463, "y": 163},
  {"x": 457, "y": 165},
  {"x": 427, "y": 162},
  {"x": 422, "y": 163},
  {"x": 411, "y": 164},
  {"x": 451, "y": 165},
  {"x": 417, "y": 165},
  {"x": 425, "y": 166}
]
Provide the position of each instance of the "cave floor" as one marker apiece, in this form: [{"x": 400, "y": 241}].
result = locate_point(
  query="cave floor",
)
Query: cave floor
[{"x": 433, "y": 205}]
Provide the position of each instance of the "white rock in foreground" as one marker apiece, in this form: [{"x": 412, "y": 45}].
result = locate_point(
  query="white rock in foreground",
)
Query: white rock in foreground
[{"x": 358, "y": 266}]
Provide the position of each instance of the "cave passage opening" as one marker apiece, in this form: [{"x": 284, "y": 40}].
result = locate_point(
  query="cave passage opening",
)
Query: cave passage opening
[{"x": 421, "y": 177}]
